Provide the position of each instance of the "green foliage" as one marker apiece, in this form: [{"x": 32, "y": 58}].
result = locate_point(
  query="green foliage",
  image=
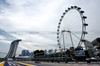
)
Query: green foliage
[{"x": 38, "y": 53}]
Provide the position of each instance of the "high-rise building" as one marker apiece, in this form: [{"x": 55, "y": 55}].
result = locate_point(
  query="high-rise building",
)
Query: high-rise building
[
  {"x": 51, "y": 51},
  {"x": 13, "y": 48},
  {"x": 23, "y": 53},
  {"x": 55, "y": 51},
  {"x": 46, "y": 52},
  {"x": 26, "y": 53}
]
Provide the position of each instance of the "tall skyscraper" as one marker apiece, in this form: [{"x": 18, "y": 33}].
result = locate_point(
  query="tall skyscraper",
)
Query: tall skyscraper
[
  {"x": 51, "y": 51},
  {"x": 46, "y": 52},
  {"x": 13, "y": 48},
  {"x": 23, "y": 53},
  {"x": 26, "y": 53}
]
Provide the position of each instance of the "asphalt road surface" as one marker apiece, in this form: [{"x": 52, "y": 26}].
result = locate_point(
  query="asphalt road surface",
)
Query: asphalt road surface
[{"x": 61, "y": 64}]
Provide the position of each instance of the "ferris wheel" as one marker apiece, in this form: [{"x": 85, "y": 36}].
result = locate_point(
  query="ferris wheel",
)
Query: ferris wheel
[{"x": 71, "y": 28}]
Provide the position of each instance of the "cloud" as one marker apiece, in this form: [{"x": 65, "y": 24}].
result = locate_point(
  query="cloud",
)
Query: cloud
[
  {"x": 30, "y": 16},
  {"x": 34, "y": 41},
  {"x": 2, "y": 37},
  {"x": 42, "y": 16},
  {"x": 5, "y": 41},
  {"x": 22, "y": 12}
]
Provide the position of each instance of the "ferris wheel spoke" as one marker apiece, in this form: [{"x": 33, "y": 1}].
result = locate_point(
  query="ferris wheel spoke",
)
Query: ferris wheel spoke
[
  {"x": 74, "y": 21},
  {"x": 75, "y": 36},
  {"x": 76, "y": 28},
  {"x": 75, "y": 25}
]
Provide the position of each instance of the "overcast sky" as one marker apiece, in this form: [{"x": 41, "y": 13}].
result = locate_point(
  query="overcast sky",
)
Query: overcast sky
[{"x": 20, "y": 17}]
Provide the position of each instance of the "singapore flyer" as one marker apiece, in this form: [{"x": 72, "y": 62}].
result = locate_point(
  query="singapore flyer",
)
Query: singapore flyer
[{"x": 71, "y": 28}]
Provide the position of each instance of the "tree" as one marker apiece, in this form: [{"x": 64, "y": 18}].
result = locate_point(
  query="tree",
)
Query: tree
[
  {"x": 38, "y": 53},
  {"x": 68, "y": 52}
]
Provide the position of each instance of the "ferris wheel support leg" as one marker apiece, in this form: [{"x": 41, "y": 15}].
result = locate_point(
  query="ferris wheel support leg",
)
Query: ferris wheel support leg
[
  {"x": 71, "y": 39},
  {"x": 63, "y": 42}
]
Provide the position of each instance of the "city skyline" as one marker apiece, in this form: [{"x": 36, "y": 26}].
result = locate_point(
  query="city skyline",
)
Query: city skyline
[{"x": 19, "y": 18}]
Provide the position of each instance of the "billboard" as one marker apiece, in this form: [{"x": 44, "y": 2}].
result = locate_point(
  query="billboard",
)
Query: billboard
[{"x": 79, "y": 53}]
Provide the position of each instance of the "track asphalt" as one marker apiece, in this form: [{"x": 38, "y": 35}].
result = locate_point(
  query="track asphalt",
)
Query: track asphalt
[{"x": 14, "y": 63}]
